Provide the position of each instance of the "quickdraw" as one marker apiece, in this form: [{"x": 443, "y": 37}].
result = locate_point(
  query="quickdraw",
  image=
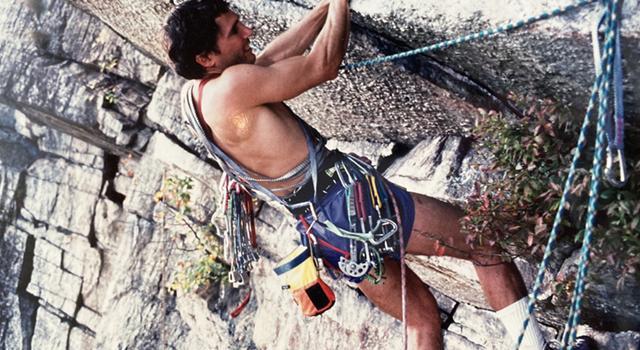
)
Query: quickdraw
[
  {"x": 614, "y": 125},
  {"x": 604, "y": 58},
  {"x": 239, "y": 237},
  {"x": 369, "y": 233}
]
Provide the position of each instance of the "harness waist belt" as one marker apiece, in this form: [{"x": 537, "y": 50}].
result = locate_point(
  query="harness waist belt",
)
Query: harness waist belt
[{"x": 326, "y": 179}]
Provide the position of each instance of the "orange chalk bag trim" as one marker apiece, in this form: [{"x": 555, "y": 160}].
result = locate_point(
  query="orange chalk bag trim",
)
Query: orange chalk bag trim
[{"x": 299, "y": 274}]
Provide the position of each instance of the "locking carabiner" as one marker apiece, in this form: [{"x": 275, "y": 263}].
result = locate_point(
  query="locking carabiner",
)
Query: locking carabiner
[{"x": 620, "y": 179}]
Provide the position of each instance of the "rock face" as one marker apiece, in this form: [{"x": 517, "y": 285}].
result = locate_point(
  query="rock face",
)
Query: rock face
[{"x": 90, "y": 127}]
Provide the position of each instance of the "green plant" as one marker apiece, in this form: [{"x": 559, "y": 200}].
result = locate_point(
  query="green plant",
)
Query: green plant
[
  {"x": 110, "y": 97},
  {"x": 109, "y": 81},
  {"x": 515, "y": 205},
  {"x": 192, "y": 236},
  {"x": 108, "y": 64}
]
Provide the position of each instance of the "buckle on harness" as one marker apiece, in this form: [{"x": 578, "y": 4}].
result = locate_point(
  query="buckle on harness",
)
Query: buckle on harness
[{"x": 609, "y": 172}]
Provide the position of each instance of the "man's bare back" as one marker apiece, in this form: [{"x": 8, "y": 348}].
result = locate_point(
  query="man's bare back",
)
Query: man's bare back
[{"x": 266, "y": 139}]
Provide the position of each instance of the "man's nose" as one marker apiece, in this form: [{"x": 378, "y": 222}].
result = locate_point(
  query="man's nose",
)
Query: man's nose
[{"x": 246, "y": 31}]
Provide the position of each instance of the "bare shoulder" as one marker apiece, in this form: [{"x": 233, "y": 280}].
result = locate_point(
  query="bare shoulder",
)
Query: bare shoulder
[
  {"x": 245, "y": 86},
  {"x": 234, "y": 88},
  {"x": 239, "y": 75}
]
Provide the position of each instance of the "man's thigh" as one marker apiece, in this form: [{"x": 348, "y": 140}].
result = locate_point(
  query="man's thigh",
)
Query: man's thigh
[{"x": 436, "y": 230}]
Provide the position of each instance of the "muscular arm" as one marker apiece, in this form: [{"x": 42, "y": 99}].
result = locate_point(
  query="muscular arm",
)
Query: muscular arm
[
  {"x": 248, "y": 85},
  {"x": 296, "y": 39}
]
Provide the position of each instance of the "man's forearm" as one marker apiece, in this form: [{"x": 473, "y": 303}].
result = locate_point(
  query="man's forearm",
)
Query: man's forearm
[
  {"x": 331, "y": 44},
  {"x": 297, "y": 39}
]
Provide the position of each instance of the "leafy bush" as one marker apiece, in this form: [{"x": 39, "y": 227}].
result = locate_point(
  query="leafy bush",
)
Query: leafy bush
[
  {"x": 515, "y": 204},
  {"x": 192, "y": 236}
]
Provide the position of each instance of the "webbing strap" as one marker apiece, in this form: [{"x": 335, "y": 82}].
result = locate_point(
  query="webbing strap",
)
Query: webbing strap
[
  {"x": 290, "y": 265},
  {"x": 201, "y": 85}
]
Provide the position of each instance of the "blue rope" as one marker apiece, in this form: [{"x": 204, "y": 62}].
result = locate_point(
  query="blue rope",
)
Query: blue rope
[
  {"x": 551, "y": 244},
  {"x": 474, "y": 36},
  {"x": 600, "y": 90},
  {"x": 611, "y": 7}
]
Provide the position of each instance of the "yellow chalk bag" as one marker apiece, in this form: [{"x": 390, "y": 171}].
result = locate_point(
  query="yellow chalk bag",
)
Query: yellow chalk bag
[{"x": 299, "y": 274}]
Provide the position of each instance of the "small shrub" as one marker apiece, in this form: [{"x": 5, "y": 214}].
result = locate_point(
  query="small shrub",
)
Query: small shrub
[
  {"x": 515, "y": 204},
  {"x": 108, "y": 65},
  {"x": 191, "y": 236},
  {"x": 110, "y": 97}
]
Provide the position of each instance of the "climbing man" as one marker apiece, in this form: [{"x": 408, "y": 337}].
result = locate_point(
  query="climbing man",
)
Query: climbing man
[{"x": 234, "y": 103}]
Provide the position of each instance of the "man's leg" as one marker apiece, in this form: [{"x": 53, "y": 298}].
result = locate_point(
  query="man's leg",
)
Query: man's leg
[
  {"x": 423, "y": 318},
  {"x": 436, "y": 231}
]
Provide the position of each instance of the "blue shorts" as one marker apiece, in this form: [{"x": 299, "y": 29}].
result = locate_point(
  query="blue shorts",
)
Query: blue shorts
[{"x": 333, "y": 205}]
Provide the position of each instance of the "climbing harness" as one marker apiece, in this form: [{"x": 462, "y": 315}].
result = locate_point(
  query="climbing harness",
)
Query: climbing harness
[
  {"x": 368, "y": 232},
  {"x": 353, "y": 224}
]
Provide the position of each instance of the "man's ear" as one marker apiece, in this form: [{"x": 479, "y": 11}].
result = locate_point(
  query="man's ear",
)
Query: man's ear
[{"x": 206, "y": 60}]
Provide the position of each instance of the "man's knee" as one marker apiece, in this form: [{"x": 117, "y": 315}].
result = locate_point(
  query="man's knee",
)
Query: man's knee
[{"x": 434, "y": 205}]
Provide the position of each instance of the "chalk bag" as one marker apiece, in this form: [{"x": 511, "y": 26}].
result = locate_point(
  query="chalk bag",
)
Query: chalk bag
[{"x": 299, "y": 275}]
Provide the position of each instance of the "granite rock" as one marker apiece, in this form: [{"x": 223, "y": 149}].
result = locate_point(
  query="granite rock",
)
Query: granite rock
[
  {"x": 12, "y": 250},
  {"x": 428, "y": 94},
  {"x": 86, "y": 255},
  {"x": 61, "y": 194},
  {"x": 51, "y": 332},
  {"x": 51, "y": 72},
  {"x": 79, "y": 339}
]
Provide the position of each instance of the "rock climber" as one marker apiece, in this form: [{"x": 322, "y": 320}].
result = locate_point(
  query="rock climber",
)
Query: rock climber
[{"x": 238, "y": 97}]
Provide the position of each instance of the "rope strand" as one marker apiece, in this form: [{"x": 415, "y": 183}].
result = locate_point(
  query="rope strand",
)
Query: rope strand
[
  {"x": 474, "y": 36},
  {"x": 600, "y": 90}
]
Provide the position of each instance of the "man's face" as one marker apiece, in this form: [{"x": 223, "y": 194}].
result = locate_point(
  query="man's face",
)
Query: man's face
[{"x": 233, "y": 41}]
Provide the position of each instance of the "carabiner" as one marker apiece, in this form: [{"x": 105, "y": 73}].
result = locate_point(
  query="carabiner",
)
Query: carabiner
[
  {"x": 369, "y": 236},
  {"x": 620, "y": 181},
  {"x": 235, "y": 278}
]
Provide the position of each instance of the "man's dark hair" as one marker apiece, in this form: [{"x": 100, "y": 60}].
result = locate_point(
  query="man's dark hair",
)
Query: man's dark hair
[{"x": 191, "y": 30}]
